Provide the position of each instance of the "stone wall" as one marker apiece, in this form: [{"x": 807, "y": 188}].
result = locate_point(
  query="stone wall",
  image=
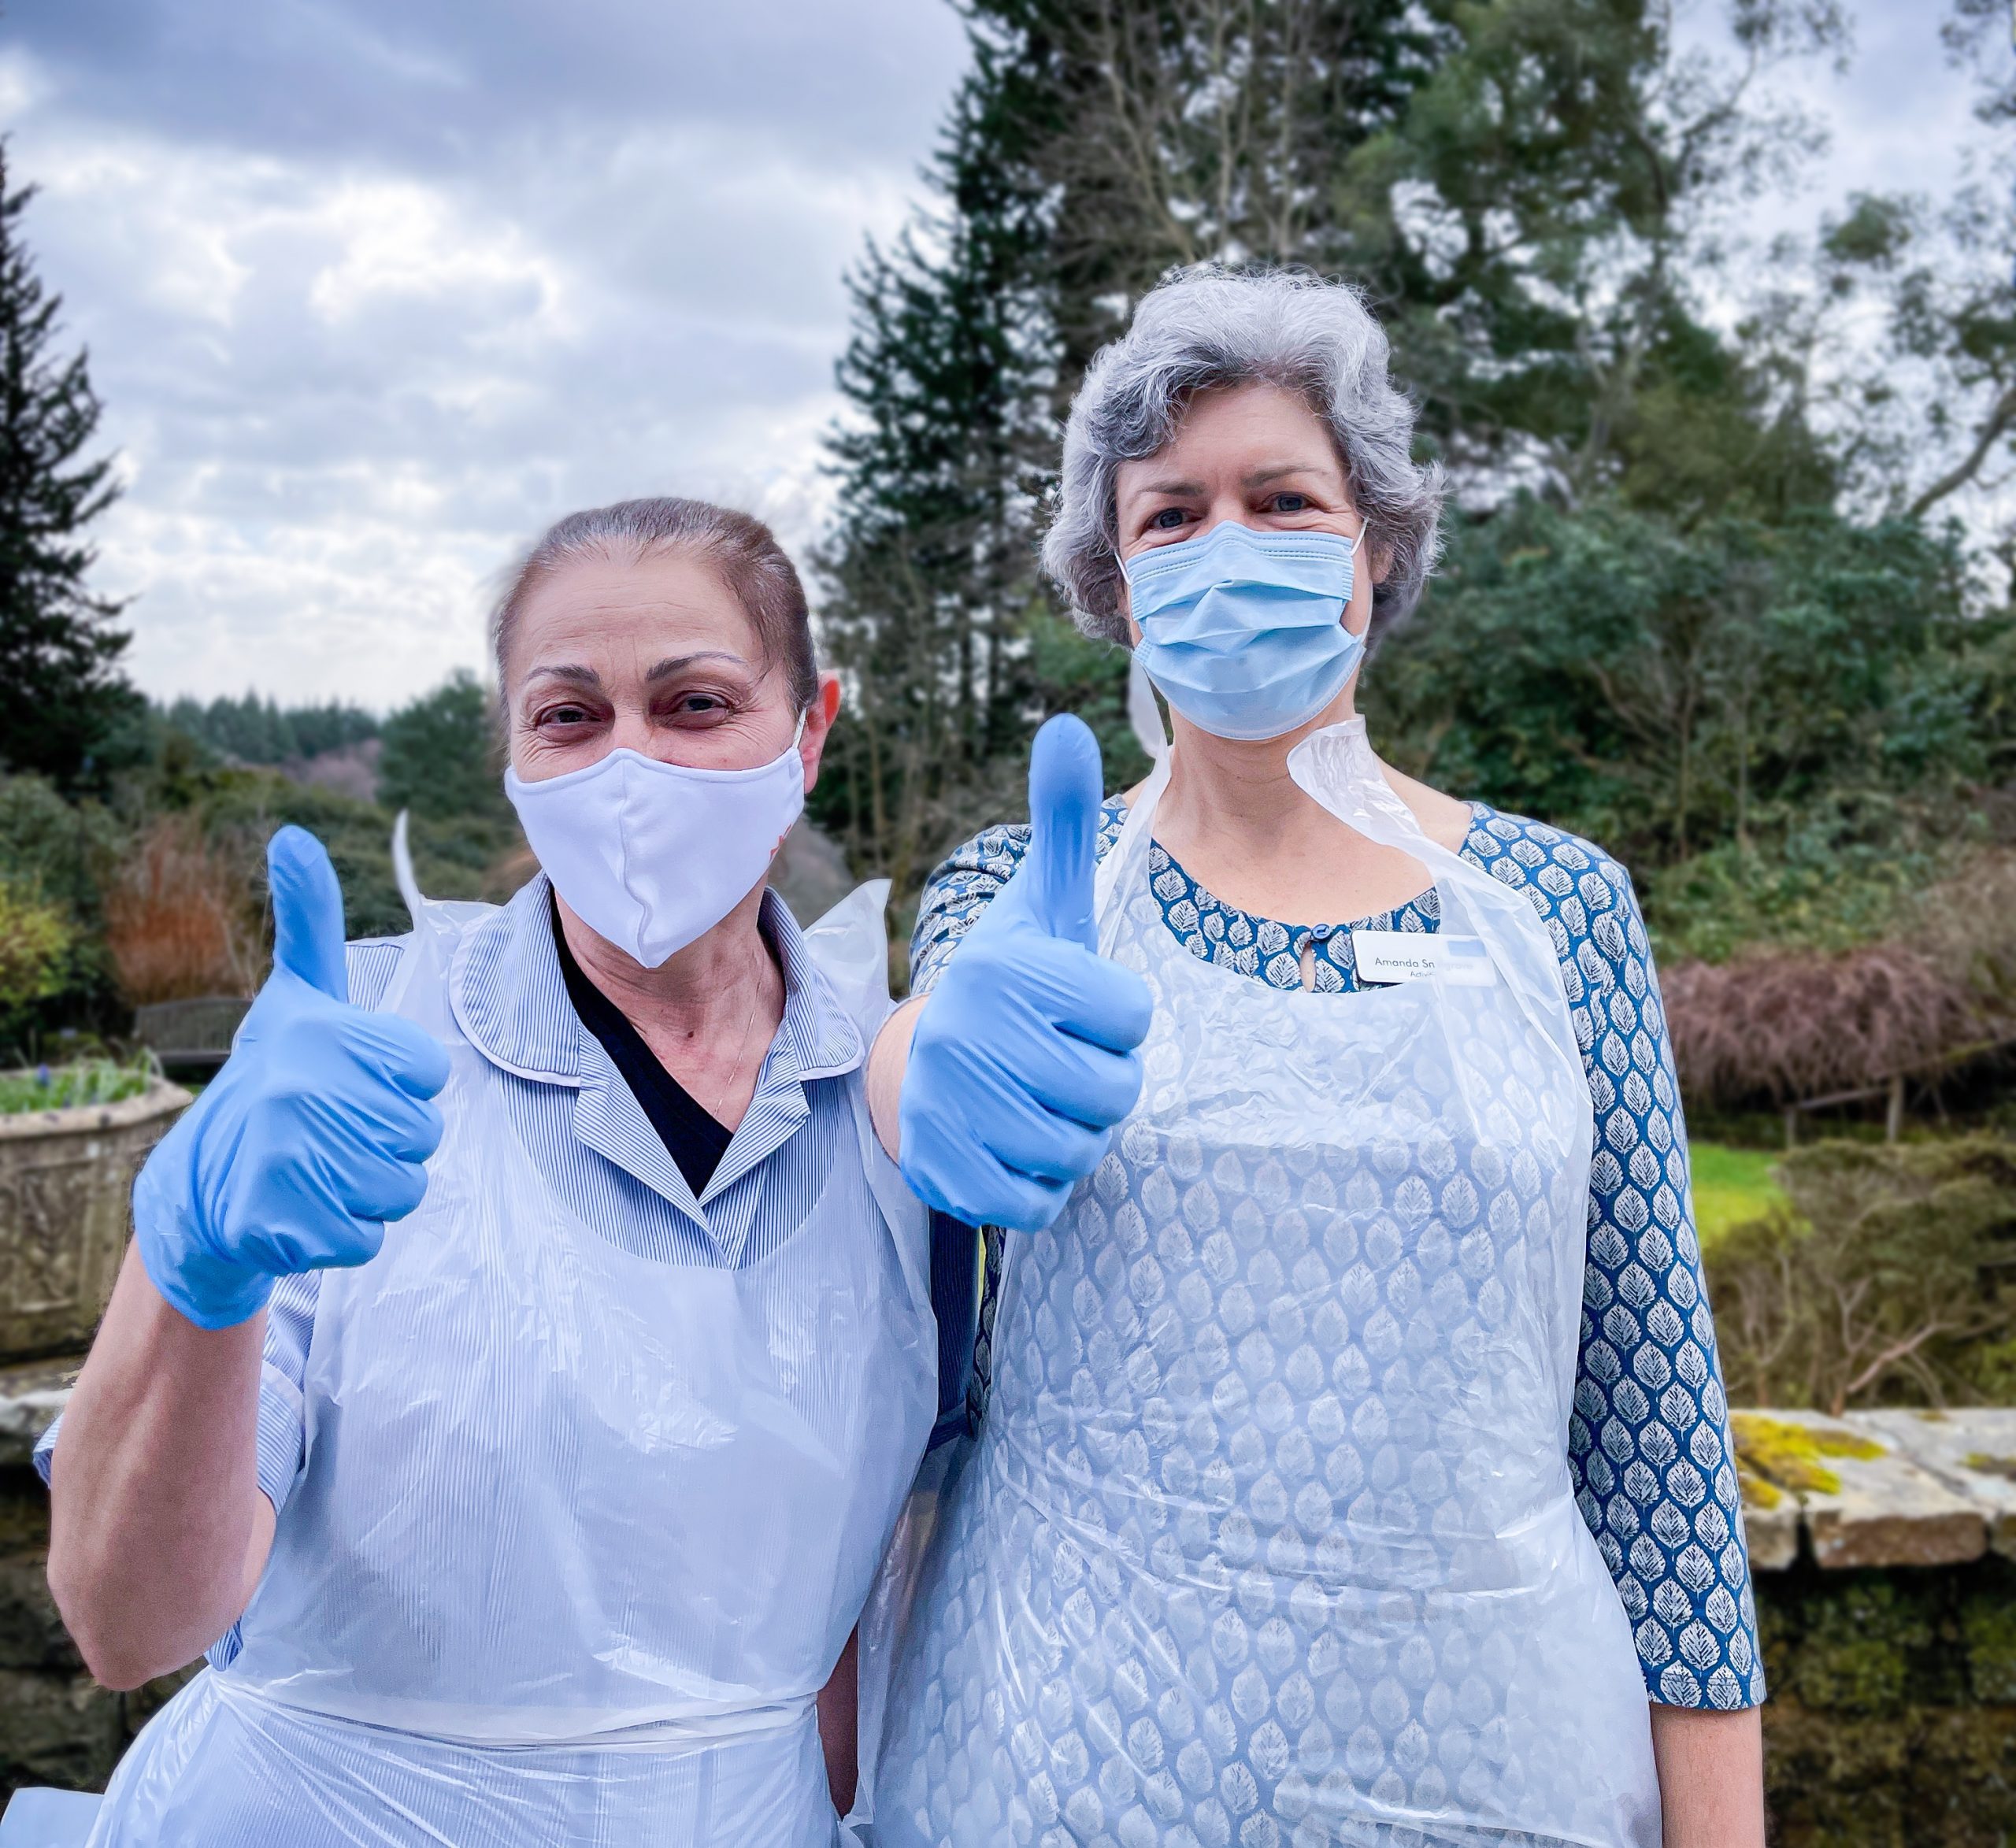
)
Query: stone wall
[{"x": 1893, "y": 1717}]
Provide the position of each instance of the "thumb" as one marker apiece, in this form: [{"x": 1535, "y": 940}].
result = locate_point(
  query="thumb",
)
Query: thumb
[
  {"x": 307, "y": 912},
  {"x": 1065, "y": 790}
]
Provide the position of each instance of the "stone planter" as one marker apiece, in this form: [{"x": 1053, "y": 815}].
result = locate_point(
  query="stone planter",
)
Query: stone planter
[{"x": 65, "y": 1179}]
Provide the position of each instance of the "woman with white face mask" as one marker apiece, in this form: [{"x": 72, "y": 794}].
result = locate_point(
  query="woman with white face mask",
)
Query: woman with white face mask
[
  {"x": 525, "y": 1347},
  {"x": 1355, "y": 1467}
]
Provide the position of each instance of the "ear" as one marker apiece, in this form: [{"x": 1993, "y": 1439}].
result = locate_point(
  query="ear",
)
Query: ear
[
  {"x": 1123, "y": 609},
  {"x": 819, "y": 717},
  {"x": 1357, "y": 613}
]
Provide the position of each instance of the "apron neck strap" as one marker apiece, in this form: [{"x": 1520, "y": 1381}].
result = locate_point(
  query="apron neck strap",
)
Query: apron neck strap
[{"x": 1130, "y": 852}]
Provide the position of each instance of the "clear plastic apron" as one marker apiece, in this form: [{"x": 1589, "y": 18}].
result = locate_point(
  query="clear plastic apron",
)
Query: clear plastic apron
[
  {"x": 581, "y": 1534},
  {"x": 1268, "y": 1539}
]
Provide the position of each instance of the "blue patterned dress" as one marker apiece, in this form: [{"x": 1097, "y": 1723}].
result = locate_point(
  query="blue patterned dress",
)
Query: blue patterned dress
[{"x": 1649, "y": 1448}]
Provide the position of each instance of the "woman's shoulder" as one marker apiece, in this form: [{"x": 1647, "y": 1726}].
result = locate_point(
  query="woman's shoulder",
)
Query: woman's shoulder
[
  {"x": 965, "y": 881},
  {"x": 1582, "y": 892},
  {"x": 990, "y": 856}
]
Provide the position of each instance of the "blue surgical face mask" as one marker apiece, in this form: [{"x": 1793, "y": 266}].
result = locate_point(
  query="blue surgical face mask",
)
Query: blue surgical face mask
[{"x": 1243, "y": 632}]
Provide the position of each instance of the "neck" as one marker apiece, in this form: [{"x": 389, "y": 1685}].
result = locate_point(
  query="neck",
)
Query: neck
[
  {"x": 1239, "y": 792},
  {"x": 1239, "y": 823},
  {"x": 709, "y": 1012}
]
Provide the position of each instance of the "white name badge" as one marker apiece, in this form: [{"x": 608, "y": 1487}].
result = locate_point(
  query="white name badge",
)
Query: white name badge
[{"x": 1420, "y": 956}]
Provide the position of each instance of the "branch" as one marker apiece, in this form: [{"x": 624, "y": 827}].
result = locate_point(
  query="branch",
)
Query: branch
[
  {"x": 1998, "y": 423},
  {"x": 1896, "y": 1351}
]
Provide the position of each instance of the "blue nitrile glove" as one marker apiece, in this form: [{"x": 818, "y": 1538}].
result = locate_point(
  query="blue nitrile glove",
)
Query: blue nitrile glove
[
  {"x": 312, "y": 1134},
  {"x": 1025, "y": 1057}
]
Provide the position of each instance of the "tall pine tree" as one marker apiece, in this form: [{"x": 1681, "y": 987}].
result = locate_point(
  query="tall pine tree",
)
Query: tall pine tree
[
  {"x": 63, "y": 700},
  {"x": 929, "y": 572},
  {"x": 1078, "y": 164}
]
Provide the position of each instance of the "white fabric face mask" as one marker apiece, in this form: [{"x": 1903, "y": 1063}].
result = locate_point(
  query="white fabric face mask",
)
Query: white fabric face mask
[{"x": 651, "y": 855}]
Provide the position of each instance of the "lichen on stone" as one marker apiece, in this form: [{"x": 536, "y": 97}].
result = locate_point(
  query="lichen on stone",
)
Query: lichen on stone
[
  {"x": 1756, "y": 1490},
  {"x": 1777, "y": 1452},
  {"x": 1983, "y": 1464}
]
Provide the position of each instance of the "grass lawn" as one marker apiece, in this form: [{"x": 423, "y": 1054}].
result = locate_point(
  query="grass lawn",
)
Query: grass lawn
[{"x": 1730, "y": 1187}]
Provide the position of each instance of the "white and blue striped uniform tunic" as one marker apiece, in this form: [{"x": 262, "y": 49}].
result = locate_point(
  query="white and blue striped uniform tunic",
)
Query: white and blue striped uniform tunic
[{"x": 575, "y": 1124}]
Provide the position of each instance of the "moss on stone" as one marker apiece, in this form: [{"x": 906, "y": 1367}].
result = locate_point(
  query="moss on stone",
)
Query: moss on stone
[
  {"x": 1988, "y": 1623},
  {"x": 1757, "y": 1492},
  {"x": 1893, "y": 1717},
  {"x": 1923, "y": 1777},
  {"x": 1855, "y": 1655}
]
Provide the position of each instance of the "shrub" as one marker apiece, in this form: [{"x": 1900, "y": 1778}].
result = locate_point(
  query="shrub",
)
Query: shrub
[
  {"x": 34, "y": 943},
  {"x": 1784, "y": 1025},
  {"x": 179, "y": 919},
  {"x": 1783, "y": 1022},
  {"x": 1882, "y": 1284}
]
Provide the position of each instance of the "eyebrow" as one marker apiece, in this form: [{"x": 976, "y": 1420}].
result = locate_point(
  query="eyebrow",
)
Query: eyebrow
[
  {"x": 571, "y": 672},
  {"x": 678, "y": 663},
  {"x": 1259, "y": 478},
  {"x": 574, "y": 674}
]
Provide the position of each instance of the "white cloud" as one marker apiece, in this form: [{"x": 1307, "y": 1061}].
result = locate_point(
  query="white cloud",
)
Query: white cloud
[{"x": 349, "y": 382}]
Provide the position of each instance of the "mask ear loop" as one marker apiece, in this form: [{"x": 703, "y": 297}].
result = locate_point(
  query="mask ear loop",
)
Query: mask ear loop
[{"x": 1143, "y": 714}]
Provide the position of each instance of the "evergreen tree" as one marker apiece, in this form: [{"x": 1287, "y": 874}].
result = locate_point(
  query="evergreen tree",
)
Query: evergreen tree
[
  {"x": 63, "y": 703},
  {"x": 930, "y": 571},
  {"x": 252, "y": 730},
  {"x": 1077, "y": 165},
  {"x": 443, "y": 758},
  {"x": 1531, "y": 227}
]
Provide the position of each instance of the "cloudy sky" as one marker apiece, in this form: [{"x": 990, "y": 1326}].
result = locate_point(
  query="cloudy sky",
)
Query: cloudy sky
[{"x": 374, "y": 288}]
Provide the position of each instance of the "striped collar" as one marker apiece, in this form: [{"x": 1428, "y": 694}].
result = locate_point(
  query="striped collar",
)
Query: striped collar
[
  {"x": 510, "y": 999},
  {"x": 510, "y": 996}
]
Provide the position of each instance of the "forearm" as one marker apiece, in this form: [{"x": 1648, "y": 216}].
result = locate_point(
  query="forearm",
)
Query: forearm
[
  {"x": 839, "y": 1724},
  {"x": 155, "y": 1512},
  {"x": 887, "y": 1063},
  {"x": 1711, "y": 1776}
]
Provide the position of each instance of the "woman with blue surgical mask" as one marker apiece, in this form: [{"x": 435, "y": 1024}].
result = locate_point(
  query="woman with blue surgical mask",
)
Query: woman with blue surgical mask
[
  {"x": 526, "y": 1347},
  {"x": 1353, "y": 1465}
]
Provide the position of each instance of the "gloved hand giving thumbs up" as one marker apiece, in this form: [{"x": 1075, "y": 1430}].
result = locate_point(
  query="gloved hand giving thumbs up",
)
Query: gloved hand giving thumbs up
[
  {"x": 313, "y": 1134},
  {"x": 1024, "y": 1056}
]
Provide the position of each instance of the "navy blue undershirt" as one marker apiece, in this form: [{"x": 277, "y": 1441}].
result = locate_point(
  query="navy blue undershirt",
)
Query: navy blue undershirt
[{"x": 693, "y": 1139}]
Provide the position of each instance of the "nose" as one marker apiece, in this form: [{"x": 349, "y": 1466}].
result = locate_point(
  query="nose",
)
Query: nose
[
  {"x": 632, "y": 730},
  {"x": 1228, "y": 510}
]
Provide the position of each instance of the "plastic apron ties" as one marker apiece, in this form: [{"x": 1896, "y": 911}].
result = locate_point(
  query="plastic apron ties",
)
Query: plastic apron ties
[
  {"x": 1268, "y": 1539},
  {"x": 580, "y": 1533}
]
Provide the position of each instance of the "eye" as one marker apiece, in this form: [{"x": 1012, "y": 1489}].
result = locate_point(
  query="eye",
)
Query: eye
[
  {"x": 566, "y": 712},
  {"x": 1290, "y": 502},
  {"x": 695, "y": 706},
  {"x": 1167, "y": 521}
]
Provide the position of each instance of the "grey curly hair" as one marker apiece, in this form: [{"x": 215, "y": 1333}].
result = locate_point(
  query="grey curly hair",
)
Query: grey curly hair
[{"x": 1208, "y": 327}]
